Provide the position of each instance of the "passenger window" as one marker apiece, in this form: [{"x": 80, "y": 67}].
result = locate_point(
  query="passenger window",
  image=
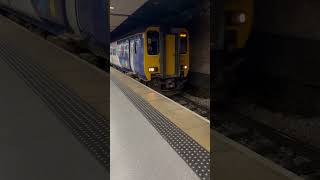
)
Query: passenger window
[
  {"x": 183, "y": 44},
  {"x": 135, "y": 47},
  {"x": 153, "y": 42},
  {"x": 126, "y": 49}
]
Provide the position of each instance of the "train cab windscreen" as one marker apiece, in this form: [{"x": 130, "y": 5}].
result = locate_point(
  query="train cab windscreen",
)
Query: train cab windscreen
[
  {"x": 153, "y": 42},
  {"x": 183, "y": 43}
]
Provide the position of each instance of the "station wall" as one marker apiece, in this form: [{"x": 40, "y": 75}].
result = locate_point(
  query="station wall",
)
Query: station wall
[
  {"x": 294, "y": 18},
  {"x": 200, "y": 48},
  {"x": 284, "y": 55}
]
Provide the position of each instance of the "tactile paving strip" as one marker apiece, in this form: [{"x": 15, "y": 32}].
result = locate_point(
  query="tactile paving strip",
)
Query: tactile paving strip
[
  {"x": 189, "y": 150},
  {"x": 87, "y": 125}
]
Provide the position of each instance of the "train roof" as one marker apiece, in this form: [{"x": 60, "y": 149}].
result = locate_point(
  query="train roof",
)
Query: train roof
[
  {"x": 133, "y": 32},
  {"x": 136, "y": 31}
]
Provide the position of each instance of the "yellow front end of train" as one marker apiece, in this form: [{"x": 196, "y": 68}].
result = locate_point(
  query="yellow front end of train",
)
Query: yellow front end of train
[
  {"x": 238, "y": 22},
  {"x": 166, "y": 55}
]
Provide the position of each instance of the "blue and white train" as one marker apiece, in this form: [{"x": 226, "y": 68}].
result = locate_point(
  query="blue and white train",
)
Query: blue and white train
[
  {"x": 85, "y": 19},
  {"x": 155, "y": 55}
]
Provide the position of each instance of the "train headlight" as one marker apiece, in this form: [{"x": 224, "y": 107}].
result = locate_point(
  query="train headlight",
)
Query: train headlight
[
  {"x": 236, "y": 18},
  {"x": 241, "y": 18},
  {"x": 152, "y": 69},
  {"x": 183, "y": 35},
  {"x": 185, "y": 67}
]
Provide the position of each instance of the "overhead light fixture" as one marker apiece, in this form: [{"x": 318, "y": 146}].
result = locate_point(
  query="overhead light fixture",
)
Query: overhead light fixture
[{"x": 111, "y": 7}]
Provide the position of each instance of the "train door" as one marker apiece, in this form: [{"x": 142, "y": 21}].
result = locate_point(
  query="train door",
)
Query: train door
[
  {"x": 132, "y": 55},
  {"x": 127, "y": 55},
  {"x": 170, "y": 55}
]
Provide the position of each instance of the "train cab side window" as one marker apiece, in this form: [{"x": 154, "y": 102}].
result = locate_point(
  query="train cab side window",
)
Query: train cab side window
[
  {"x": 153, "y": 42},
  {"x": 183, "y": 44}
]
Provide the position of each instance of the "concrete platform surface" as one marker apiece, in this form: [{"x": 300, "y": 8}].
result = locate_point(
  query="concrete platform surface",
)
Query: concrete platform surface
[
  {"x": 89, "y": 82},
  {"x": 35, "y": 144},
  {"x": 192, "y": 124},
  {"x": 233, "y": 161},
  {"x": 138, "y": 152}
]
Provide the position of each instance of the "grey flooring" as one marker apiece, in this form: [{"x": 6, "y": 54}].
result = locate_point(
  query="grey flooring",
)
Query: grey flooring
[
  {"x": 34, "y": 143},
  {"x": 138, "y": 152}
]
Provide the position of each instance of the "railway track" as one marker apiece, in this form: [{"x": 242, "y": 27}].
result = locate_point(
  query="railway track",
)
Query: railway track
[
  {"x": 296, "y": 156},
  {"x": 184, "y": 101}
]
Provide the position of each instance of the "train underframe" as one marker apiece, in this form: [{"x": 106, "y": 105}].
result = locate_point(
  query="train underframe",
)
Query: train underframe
[{"x": 168, "y": 84}]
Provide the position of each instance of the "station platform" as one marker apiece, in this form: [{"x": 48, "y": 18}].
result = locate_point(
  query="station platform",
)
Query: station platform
[
  {"x": 153, "y": 137},
  {"x": 54, "y": 121},
  {"x": 232, "y": 161},
  {"x": 138, "y": 145}
]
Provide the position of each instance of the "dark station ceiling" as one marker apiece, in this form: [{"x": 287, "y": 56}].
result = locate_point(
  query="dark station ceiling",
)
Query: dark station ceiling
[{"x": 177, "y": 13}]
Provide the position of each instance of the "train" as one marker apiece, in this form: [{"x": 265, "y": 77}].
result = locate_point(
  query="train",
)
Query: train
[
  {"x": 84, "y": 20},
  {"x": 238, "y": 22},
  {"x": 157, "y": 55},
  {"x": 233, "y": 29}
]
